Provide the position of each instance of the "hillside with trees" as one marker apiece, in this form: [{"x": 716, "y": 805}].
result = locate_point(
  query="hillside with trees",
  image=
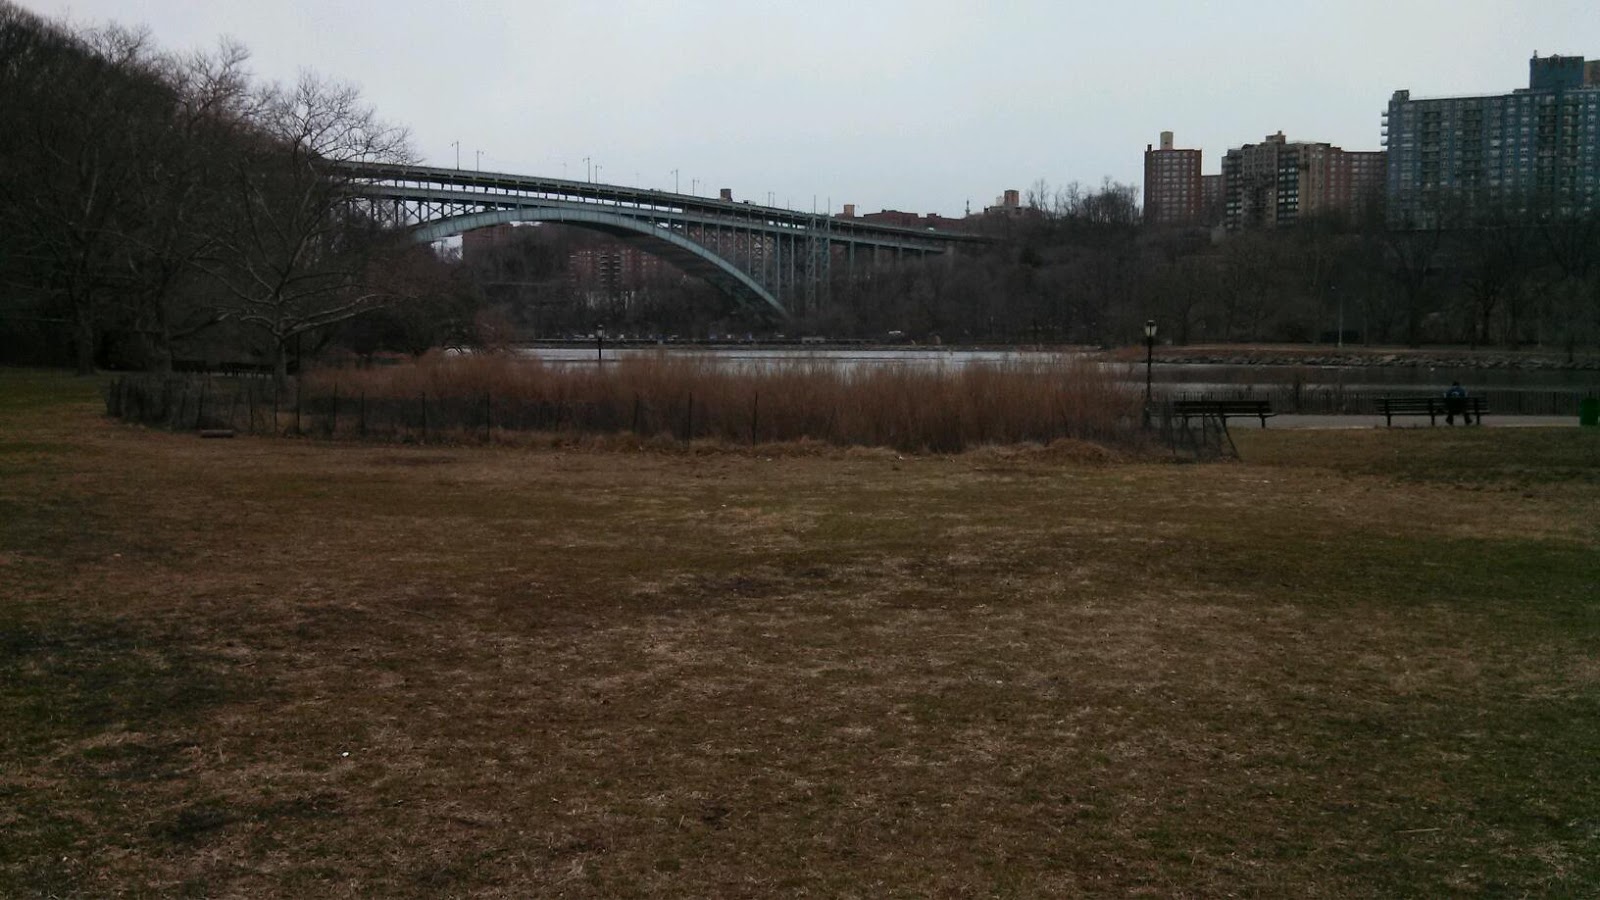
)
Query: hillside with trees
[{"x": 159, "y": 205}]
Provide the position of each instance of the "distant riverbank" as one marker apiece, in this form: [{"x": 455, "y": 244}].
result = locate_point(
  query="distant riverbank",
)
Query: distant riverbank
[
  {"x": 1459, "y": 358},
  {"x": 1198, "y": 354}
]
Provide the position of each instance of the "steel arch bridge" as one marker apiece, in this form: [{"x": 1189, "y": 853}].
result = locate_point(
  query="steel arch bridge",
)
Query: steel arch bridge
[{"x": 775, "y": 260}]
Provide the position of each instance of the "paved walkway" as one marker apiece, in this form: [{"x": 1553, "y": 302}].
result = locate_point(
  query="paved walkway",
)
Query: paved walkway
[{"x": 1376, "y": 421}]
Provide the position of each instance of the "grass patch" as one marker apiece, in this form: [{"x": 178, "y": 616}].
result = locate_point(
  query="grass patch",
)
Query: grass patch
[
  {"x": 93, "y": 711},
  {"x": 281, "y": 668},
  {"x": 44, "y": 390},
  {"x": 1492, "y": 457}
]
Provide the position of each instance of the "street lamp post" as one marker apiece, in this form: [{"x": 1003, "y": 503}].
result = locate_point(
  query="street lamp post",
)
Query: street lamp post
[
  {"x": 588, "y": 173},
  {"x": 1340, "y": 338},
  {"x": 1149, "y": 355},
  {"x": 600, "y": 345},
  {"x": 675, "y": 181}
]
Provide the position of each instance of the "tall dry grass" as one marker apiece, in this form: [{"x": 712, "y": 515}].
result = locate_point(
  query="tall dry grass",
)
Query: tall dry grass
[{"x": 906, "y": 407}]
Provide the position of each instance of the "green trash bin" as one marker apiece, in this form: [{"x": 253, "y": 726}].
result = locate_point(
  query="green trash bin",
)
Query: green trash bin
[{"x": 1589, "y": 411}]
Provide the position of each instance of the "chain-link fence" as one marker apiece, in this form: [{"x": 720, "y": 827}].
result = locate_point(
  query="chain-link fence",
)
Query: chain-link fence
[{"x": 248, "y": 405}]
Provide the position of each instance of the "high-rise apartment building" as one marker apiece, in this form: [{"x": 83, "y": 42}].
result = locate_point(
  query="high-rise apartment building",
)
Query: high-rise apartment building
[
  {"x": 1173, "y": 191},
  {"x": 1534, "y": 147},
  {"x": 1278, "y": 182},
  {"x": 1212, "y": 199},
  {"x": 1356, "y": 179}
]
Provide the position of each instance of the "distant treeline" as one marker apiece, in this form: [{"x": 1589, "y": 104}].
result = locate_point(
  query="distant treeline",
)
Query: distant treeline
[{"x": 1080, "y": 267}]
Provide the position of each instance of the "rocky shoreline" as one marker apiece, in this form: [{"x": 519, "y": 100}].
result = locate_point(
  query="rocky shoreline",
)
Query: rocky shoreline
[{"x": 1376, "y": 359}]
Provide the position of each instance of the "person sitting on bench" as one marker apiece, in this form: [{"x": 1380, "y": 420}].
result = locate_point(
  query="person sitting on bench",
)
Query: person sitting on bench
[{"x": 1455, "y": 404}]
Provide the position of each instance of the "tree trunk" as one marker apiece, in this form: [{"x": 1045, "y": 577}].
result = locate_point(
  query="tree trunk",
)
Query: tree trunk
[
  {"x": 280, "y": 363},
  {"x": 162, "y": 336},
  {"x": 1414, "y": 318},
  {"x": 164, "y": 359},
  {"x": 86, "y": 339}
]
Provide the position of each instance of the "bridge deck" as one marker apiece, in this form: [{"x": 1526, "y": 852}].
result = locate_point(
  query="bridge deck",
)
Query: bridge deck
[{"x": 501, "y": 190}]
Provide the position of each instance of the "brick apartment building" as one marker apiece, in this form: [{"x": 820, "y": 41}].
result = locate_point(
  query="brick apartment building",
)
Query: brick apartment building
[
  {"x": 609, "y": 269},
  {"x": 481, "y": 240},
  {"x": 1278, "y": 182},
  {"x": 1174, "y": 190}
]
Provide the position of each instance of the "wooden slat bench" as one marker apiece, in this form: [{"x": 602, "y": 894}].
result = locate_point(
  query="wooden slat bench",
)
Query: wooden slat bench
[
  {"x": 1223, "y": 409},
  {"x": 1470, "y": 408}
]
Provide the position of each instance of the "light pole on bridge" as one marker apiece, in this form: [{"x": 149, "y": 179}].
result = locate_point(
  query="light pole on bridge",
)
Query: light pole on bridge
[
  {"x": 675, "y": 181},
  {"x": 479, "y": 163},
  {"x": 457, "y": 145},
  {"x": 588, "y": 173},
  {"x": 596, "y": 173}
]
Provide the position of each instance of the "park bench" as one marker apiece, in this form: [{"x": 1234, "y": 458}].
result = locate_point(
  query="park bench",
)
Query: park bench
[
  {"x": 1432, "y": 407},
  {"x": 1223, "y": 410}
]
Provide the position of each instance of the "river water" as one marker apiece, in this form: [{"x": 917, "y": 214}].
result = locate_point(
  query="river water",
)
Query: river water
[{"x": 1179, "y": 376}]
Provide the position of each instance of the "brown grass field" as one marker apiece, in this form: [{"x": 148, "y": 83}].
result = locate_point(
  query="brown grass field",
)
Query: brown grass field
[{"x": 1360, "y": 663}]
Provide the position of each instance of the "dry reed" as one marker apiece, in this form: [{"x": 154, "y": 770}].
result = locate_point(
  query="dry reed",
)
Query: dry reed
[{"x": 905, "y": 407}]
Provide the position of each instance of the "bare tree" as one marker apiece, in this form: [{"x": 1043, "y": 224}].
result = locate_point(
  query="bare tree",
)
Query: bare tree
[
  {"x": 297, "y": 254},
  {"x": 1412, "y": 255},
  {"x": 1572, "y": 290},
  {"x": 1496, "y": 257},
  {"x": 1114, "y": 205},
  {"x": 179, "y": 201}
]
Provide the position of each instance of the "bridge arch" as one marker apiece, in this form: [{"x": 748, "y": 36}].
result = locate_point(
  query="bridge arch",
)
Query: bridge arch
[{"x": 658, "y": 240}]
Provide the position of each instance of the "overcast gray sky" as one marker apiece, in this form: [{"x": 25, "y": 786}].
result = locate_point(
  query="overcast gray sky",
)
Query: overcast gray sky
[{"x": 919, "y": 106}]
